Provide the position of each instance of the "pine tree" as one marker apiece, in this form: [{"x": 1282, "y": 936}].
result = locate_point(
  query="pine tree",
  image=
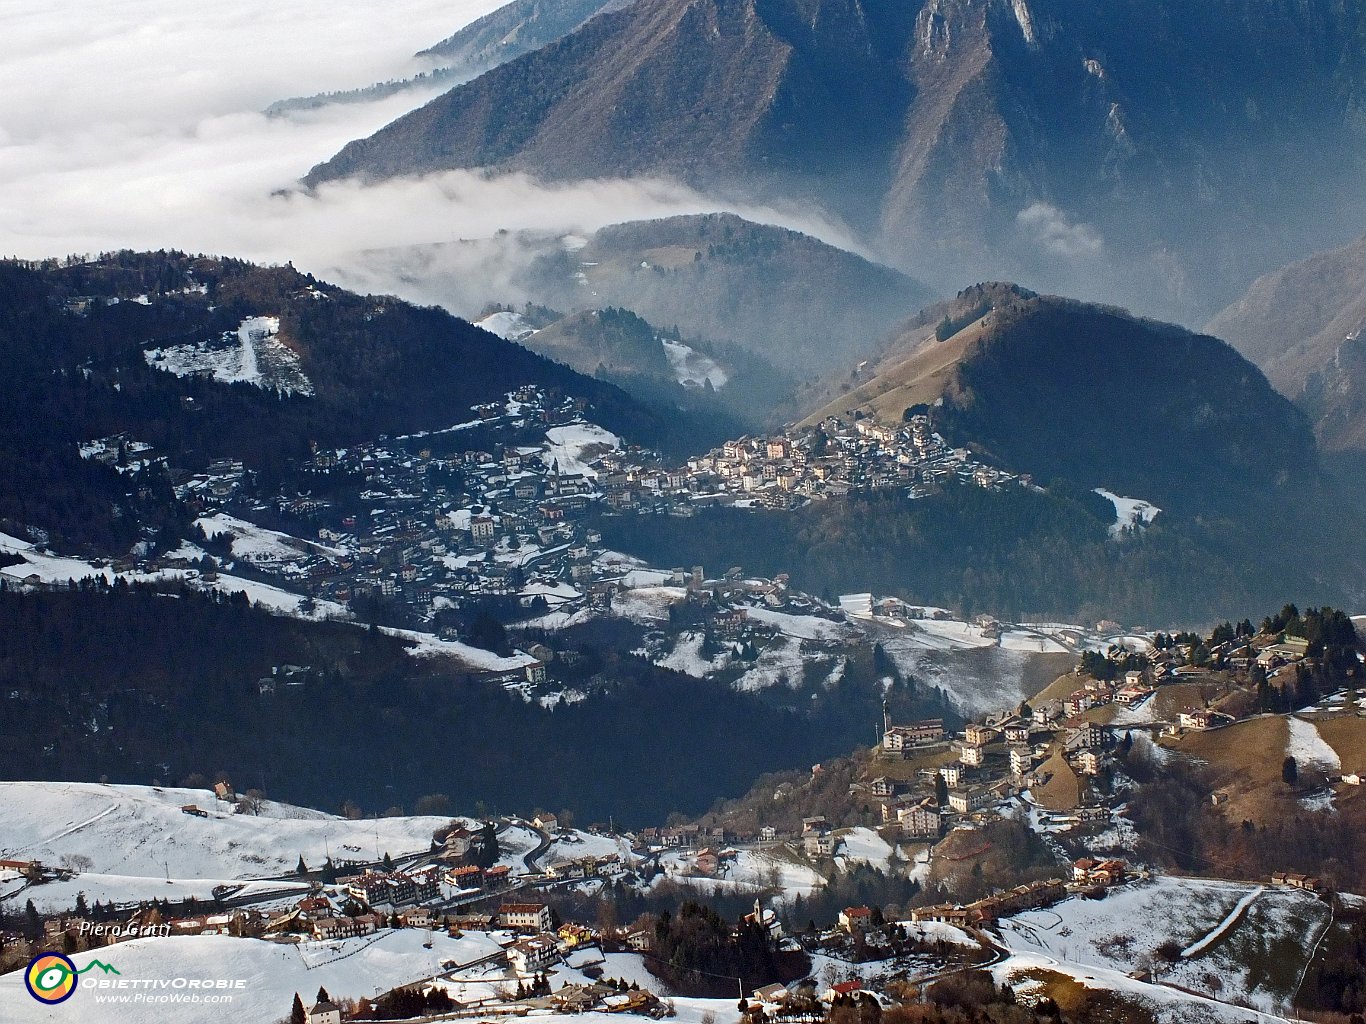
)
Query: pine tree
[
  {"x": 1290, "y": 771},
  {"x": 296, "y": 1013}
]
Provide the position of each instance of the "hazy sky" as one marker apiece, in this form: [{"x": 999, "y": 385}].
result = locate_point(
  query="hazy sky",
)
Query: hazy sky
[{"x": 138, "y": 125}]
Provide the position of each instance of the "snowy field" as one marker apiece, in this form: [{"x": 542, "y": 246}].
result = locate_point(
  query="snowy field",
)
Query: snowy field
[
  {"x": 253, "y": 354},
  {"x": 514, "y": 843},
  {"x": 862, "y": 846},
  {"x": 686, "y": 657},
  {"x": 573, "y": 845},
  {"x": 779, "y": 664},
  {"x": 647, "y": 605},
  {"x": 141, "y": 831},
  {"x": 804, "y": 627},
  {"x": 1030, "y": 642},
  {"x": 60, "y": 897},
  {"x": 576, "y": 446},
  {"x": 429, "y": 645},
  {"x": 1236, "y": 939},
  {"x": 52, "y": 568},
  {"x": 253, "y": 543},
  {"x": 752, "y": 871},
  {"x": 1307, "y": 747},
  {"x": 1168, "y": 1005},
  {"x": 946, "y": 635}
]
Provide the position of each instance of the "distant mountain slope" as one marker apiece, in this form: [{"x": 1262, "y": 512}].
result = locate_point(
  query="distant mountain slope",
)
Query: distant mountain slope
[
  {"x": 789, "y": 298},
  {"x": 1056, "y": 387},
  {"x": 660, "y": 370},
  {"x": 610, "y": 340},
  {"x": 515, "y": 29},
  {"x": 1146, "y": 149},
  {"x": 792, "y": 301},
  {"x": 510, "y": 31},
  {"x": 1303, "y": 326}
]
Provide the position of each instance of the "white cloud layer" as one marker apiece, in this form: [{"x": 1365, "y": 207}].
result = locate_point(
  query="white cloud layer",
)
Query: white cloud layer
[
  {"x": 1057, "y": 235},
  {"x": 137, "y": 124}
]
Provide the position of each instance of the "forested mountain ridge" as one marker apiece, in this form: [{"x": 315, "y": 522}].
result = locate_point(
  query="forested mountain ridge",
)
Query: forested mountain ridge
[
  {"x": 80, "y": 340},
  {"x": 1060, "y": 388},
  {"x": 1038, "y": 139},
  {"x": 161, "y": 685}
]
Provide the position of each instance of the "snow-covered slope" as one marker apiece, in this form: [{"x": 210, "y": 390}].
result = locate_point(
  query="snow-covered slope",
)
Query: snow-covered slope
[
  {"x": 141, "y": 831},
  {"x": 574, "y": 446},
  {"x": 1224, "y": 928},
  {"x": 257, "y": 544},
  {"x": 1307, "y": 747}
]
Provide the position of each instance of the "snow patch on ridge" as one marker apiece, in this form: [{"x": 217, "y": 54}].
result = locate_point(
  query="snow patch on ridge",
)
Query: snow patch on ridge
[
  {"x": 691, "y": 366},
  {"x": 507, "y": 325},
  {"x": 1130, "y": 513},
  {"x": 1026, "y": 21}
]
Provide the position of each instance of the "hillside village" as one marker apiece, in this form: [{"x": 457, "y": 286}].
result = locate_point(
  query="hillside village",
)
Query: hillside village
[
  {"x": 420, "y": 529},
  {"x": 498, "y": 516},
  {"x": 501, "y": 892}
]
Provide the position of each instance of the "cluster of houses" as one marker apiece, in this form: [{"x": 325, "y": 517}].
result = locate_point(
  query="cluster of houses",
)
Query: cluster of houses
[
  {"x": 424, "y": 529},
  {"x": 432, "y": 533},
  {"x": 981, "y": 912},
  {"x": 835, "y": 458},
  {"x": 994, "y": 761},
  {"x": 393, "y": 888},
  {"x": 1133, "y": 689},
  {"x": 1130, "y": 691},
  {"x": 1296, "y": 880},
  {"x": 526, "y": 947}
]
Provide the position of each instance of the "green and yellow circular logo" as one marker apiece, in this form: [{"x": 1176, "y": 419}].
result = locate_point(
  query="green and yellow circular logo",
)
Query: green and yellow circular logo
[{"x": 50, "y": 978}]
